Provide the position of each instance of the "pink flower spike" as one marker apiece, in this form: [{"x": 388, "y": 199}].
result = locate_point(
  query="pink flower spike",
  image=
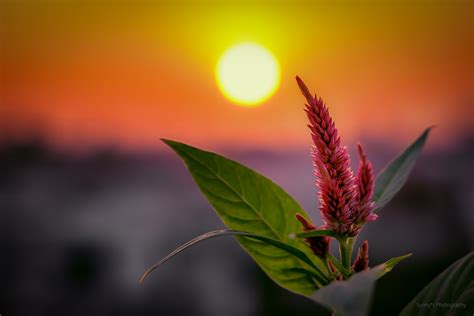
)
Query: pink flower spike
[
  {"x": 364, "y": 190},
  {"x": 331, "y": 164}
]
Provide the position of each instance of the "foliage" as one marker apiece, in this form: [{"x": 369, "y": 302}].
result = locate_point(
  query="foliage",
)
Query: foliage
[
  {"x": 393, "y": 177},
  {"x": 267, "y": 221},
  {"x": 262, "y": 216},
  {"x": 247, "y": 201},
  {"x": 450, "y": 293}
]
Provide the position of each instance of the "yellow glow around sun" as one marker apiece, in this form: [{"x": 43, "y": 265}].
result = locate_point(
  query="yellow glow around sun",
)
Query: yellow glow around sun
[{"x": 248, "y": 74}]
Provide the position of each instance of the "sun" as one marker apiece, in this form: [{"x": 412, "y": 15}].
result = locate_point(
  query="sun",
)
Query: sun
[{"x": 247, "y": 74}]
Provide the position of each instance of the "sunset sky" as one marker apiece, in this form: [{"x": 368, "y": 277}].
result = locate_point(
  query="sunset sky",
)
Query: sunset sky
[{"x": 92, "y": 73}]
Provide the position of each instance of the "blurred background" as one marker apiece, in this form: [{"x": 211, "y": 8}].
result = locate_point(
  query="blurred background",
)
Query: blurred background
[{"x": 89, "y": 196}]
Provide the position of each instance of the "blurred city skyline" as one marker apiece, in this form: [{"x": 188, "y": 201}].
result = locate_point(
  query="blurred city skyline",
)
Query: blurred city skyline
[{"x": 77, "y": 231}]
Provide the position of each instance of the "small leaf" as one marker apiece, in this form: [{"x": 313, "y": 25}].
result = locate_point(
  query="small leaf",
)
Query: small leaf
[
  {"x": 393, "y": 176},
  {"x": 450, "y": 293},
  {"x": 391, "y": 263},
  {"x": 247, "y": 201},
  {"x": 312, "y": 270},
  {"x": 314, "y": 233},
  {"x": 352, "y": 297}
]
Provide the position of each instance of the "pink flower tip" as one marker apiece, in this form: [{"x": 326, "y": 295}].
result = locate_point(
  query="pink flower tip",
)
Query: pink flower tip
[
  {"x": 362, "y": 155},
  {"x": 372, "y": 217},
  {"x": 304, "y": 90},
  {"x": 306, "y": 224}
]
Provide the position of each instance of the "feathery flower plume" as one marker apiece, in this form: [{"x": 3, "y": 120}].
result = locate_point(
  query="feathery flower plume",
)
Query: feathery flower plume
[
  {"x": 331, "y": 165},
  {"x": 362, "y": 261},
  {"x": 319, "y": 245},
  {"x": 364, "y": 190}
]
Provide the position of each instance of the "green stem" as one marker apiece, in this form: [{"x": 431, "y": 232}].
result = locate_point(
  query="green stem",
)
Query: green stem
[
  {"x": 345, "y": 251},
  {"x": 345, "y": 273},
  {"x": 350, "y": 247}
]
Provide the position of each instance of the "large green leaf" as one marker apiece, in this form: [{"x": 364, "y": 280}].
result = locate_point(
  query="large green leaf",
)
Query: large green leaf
[
  {"x": 450, "y": 293},
  {"x": 393, "y": 176},
  {"x": 311, "y": 269},
  {"x": 352, "y": 297},
  {"x": 247, "y": 201}
]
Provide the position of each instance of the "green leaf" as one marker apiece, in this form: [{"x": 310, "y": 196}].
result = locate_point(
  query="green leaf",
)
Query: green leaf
[
  {"x": 338, "y": 265},
  {"x": 247, "y": 201},
  {"x": 391, "y": 263},
  {"x": 450, "y": 293},
  {"x": 311, "y": 270},
  {"x": 314, "y": 233},
  {"x": 392, "y": 178},
  {"x": 353, "y": 296}
]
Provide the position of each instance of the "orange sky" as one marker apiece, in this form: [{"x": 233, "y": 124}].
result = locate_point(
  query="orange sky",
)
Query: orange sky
[{"x": 126, "y": 74}]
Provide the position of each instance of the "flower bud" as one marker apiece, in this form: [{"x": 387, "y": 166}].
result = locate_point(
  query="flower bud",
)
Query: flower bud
[
  {"x": 362, "y": 261},
  {"x": 318, "y": 244}
]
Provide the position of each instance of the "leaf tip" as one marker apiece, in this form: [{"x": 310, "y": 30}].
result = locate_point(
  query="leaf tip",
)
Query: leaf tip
[
  {"x": 429, "y": 129},
  {"x": 176, "y": 146},
  {"x": 401, "y": 258},
  {"x": 390, "y": 264},
  {"x": 142, "y": 279},
  {"x": 425, "y": 134},
  {"x": 168, "y": 142},
  {"x": 150, "y": 270}
]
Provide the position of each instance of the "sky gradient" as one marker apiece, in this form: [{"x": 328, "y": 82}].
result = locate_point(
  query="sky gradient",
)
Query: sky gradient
[{"x": 126, "y": 74}]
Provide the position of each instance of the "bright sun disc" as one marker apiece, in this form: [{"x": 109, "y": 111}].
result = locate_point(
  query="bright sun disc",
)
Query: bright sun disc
[{"x": 247, "y": 74}]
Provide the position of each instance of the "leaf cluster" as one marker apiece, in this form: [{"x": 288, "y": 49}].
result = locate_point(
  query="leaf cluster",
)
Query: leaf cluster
[{"x": 261, "y": 215}]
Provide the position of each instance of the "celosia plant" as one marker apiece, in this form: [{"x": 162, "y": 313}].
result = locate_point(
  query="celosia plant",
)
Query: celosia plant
[{"x": 292, "y": 251}]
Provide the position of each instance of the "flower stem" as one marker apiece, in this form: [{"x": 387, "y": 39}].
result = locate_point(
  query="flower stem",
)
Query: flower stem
[
  {"x": 345, "y": 273},
  {"x": 345, "y": 251}
]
